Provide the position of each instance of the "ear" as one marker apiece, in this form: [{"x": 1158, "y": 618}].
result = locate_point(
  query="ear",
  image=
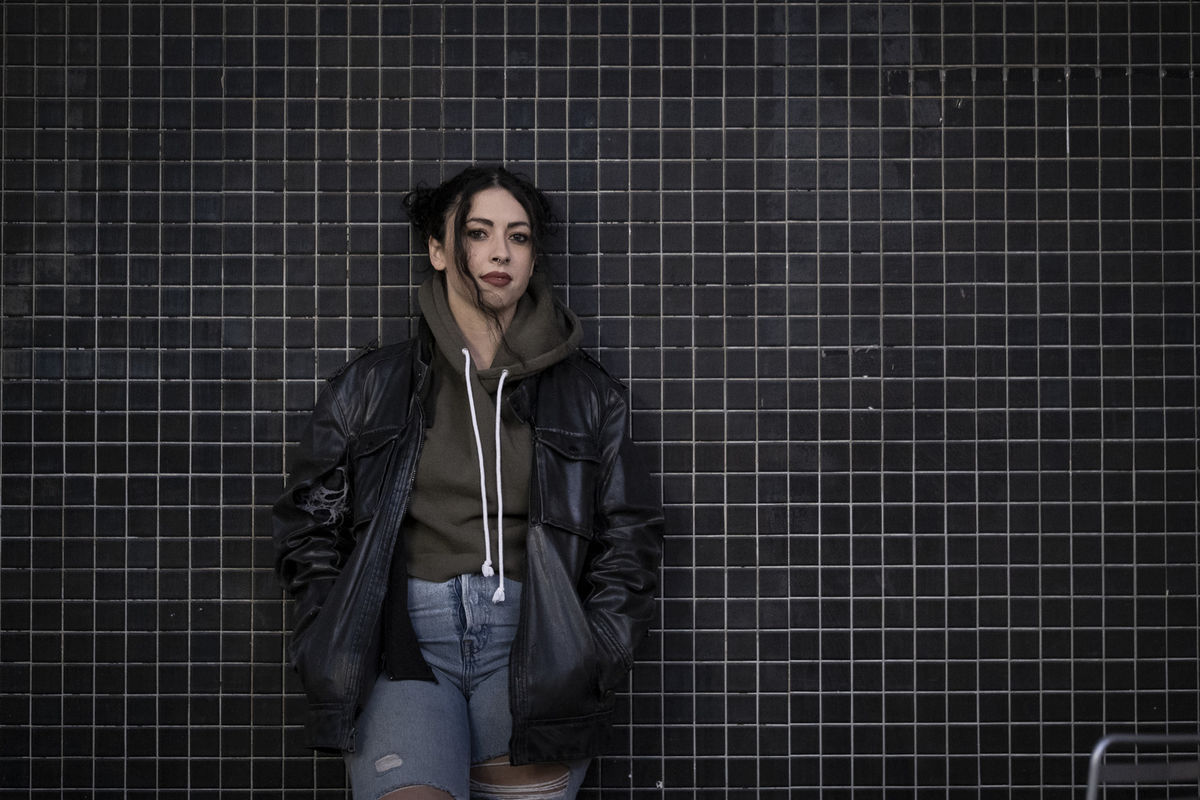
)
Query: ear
[{"x": 437, "y": 254}]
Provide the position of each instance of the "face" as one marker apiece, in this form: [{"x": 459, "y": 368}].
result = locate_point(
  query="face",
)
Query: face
[{"x": 499, "y": 245}]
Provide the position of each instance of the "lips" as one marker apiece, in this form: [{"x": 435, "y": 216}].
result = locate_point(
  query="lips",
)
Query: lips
[{"x": 497, "y": 279}]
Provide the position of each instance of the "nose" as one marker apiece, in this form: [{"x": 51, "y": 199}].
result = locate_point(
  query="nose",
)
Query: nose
[{"x": 500, "y": 253}]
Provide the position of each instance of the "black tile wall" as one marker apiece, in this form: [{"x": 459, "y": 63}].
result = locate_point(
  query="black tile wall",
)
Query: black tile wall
[{"x": 906, "y": 296}]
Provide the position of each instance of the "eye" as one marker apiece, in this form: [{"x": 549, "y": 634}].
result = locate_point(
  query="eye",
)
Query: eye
[
  {"x": 478, "y": 234},
  {"x": 520, "y": 238}
]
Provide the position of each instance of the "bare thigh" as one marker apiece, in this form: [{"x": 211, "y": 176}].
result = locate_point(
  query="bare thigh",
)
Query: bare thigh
[
  {"x": 417, "y": 793},
  {"x": 496, "y": 778}
]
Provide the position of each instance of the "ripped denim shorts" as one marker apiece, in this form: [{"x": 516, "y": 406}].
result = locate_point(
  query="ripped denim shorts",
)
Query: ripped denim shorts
[{"x": 414, "y": 733}]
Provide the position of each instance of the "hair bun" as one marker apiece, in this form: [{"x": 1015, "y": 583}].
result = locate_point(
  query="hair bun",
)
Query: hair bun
[{"x": 422, "y": 209}]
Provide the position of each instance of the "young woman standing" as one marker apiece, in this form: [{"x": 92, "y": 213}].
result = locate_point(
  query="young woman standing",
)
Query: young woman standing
[{"x": 469, "y": 536}]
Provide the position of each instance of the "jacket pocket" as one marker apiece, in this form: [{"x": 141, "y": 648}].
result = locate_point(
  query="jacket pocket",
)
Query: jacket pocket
[
  {"x": 567, "y": 467},
  {"x": 321, "y": 650},
  {"x": 558, "y": 652},
  {"x": 371, "y": 457},
  {"x": 309, "y": 603},
  {"x": 614, "y": 662}
]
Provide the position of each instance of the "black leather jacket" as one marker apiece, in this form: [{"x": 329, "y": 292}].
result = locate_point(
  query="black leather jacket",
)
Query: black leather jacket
[{"x": 592, "y": 550}]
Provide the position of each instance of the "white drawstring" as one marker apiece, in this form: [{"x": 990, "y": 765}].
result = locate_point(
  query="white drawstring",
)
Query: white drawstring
[
  {"x": 498, "y": 597},
  {"x": 487, "y": 570}
]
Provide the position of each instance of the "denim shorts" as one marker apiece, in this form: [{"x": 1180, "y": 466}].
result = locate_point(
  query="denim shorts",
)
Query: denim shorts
[{"x": 423, "y": 733}]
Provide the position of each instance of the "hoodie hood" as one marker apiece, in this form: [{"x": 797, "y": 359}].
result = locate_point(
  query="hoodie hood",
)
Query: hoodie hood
[{"x": 543, "y": 331}]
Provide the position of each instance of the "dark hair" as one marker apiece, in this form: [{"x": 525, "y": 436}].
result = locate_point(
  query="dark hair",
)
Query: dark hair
[{"x": 427, "y": 208}]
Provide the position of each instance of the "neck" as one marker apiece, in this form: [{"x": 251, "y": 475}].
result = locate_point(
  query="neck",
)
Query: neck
[{"x": 479, "y": 331}]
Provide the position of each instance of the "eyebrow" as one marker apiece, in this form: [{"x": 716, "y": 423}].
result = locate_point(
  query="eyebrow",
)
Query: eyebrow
[{"x": 488, "y": 222}]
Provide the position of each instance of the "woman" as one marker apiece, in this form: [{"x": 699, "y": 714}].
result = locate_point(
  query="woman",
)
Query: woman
[{"x": 467, "y": 532}]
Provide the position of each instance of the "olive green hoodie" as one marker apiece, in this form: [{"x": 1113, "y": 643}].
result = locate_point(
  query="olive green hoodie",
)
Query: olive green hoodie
[{"x": 444, "y": 529}]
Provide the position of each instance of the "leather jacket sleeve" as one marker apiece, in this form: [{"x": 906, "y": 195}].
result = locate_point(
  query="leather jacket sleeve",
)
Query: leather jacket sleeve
[
  {"x": 623, "y": 571},
  {"x": 311, "y": 520}
]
